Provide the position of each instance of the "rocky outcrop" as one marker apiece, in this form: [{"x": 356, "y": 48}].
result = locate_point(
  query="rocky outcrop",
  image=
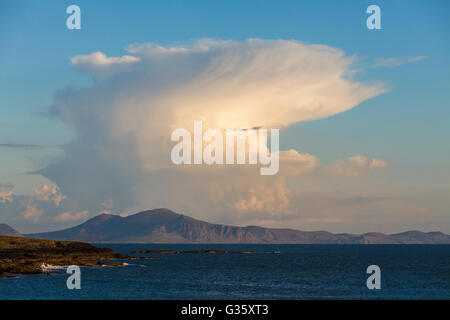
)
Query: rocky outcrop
[{"x": 20, "y": 255}]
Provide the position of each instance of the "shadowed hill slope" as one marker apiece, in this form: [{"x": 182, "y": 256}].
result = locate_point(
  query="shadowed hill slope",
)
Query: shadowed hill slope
[{"x": 6, "y": 230}]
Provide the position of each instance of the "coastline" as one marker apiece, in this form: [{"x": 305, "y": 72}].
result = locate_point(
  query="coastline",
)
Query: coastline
[{"x": 21, "y": 255}]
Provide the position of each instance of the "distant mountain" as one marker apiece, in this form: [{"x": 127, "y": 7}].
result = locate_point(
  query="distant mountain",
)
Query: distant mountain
[
  {"x": 166, "y": 226},
  {"x": 6, "y": 230}
]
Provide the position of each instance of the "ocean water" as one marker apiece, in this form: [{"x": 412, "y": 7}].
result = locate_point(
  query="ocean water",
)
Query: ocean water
[{"x": 273, "y": 272}]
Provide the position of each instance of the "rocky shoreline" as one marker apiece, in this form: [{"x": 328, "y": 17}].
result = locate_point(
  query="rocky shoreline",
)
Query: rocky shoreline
[{"x": 19, "y": 255}]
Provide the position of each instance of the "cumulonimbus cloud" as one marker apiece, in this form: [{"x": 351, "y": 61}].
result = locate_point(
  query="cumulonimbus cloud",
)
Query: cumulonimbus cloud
[
  {"x": 232, "y": 84},
  {"x": 124, "y": 120}
]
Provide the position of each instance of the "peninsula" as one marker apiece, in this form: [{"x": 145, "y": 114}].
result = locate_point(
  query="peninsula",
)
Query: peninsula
[{"x": 21, "y": 255}]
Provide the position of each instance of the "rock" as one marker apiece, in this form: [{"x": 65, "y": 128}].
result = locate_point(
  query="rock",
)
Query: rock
[{"x": 20, "y": 255}]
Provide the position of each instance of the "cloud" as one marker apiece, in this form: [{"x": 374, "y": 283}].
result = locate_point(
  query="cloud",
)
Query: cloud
[
  {"x": 108, "y": 203},
  {"x": 67, "y": 216},
  {"x": 6, "y": 192},
  {"x": 355, "y": 167},
  {"x": 397, "y": 61},
  {"x": 47, "y": 193},
  {"x": 6, "y": 196},
  {"x": 344, "y": 212},
  {"x": 377, "y": 164},
  {"x": 124, "y": 120},
  {"x": 293, "y": 163},
  {"x": 32, "y": 212},
  {"x": 228, "y": 84},
  {"x": 33, "y": 215},
  {"x": 19, "y": 145},
  {"x": 35, "y": 205},
  {"x": 99, "y": 61}
]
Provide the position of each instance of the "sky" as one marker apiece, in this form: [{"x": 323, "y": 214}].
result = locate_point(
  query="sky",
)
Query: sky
[{"x": 86, "y": 115}]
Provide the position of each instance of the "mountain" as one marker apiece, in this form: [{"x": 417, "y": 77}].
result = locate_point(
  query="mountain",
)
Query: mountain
[
  {"x": 6, "y": 230},
  {"x": 166, "y": 226},
  {"x": 31, "y": 256}
]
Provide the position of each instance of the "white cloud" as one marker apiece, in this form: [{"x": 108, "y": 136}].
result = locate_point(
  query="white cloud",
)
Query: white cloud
[
  {"x": 356, "y": 166},
  {"x": 99, "y": 61},
  {"x": 32, "y": 212},
  {"x": 397, "y": 61},
  {"x": 36, "y": 203},
  {"x": 230, "y": 84},
  {"x": 67, "y": 216},
  {"x": 293, "y": 163},
  {"x": 343, "y": 212},
  {"x": 6, "y": 193},
  {"x": 377, "y": 164},
  {"x": 124, "y": 121},
  {"x": 49, "y": 193},
  {"x": 108, "y": 203},
  {"x": 6, "y": 196}
]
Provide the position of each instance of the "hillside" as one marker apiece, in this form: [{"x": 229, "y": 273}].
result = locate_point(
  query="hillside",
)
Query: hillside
[{"x": 6, "y": 230}]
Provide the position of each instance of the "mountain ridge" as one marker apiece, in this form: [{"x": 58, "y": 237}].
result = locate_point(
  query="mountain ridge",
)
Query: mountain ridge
[{"x": 165, "y": 226}]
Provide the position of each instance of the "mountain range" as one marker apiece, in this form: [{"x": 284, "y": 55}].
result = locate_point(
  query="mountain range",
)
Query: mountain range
[{"x": 166, "y": 226}]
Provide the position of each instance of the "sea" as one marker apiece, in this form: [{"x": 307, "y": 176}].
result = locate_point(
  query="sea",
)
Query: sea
[{"x": 270, "y": 272}]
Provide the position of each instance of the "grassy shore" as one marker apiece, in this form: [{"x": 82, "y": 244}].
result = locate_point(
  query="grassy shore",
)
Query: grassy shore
[{"x": 19, "y": 255}]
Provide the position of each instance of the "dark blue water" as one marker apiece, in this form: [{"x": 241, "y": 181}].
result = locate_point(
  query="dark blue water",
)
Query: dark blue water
[{"x": 296, "y": 272}]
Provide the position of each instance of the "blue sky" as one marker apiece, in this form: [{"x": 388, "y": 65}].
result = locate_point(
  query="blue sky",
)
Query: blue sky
[
  {"x": 36, "y": 50},
  {"x": 407, "y": 126}
]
